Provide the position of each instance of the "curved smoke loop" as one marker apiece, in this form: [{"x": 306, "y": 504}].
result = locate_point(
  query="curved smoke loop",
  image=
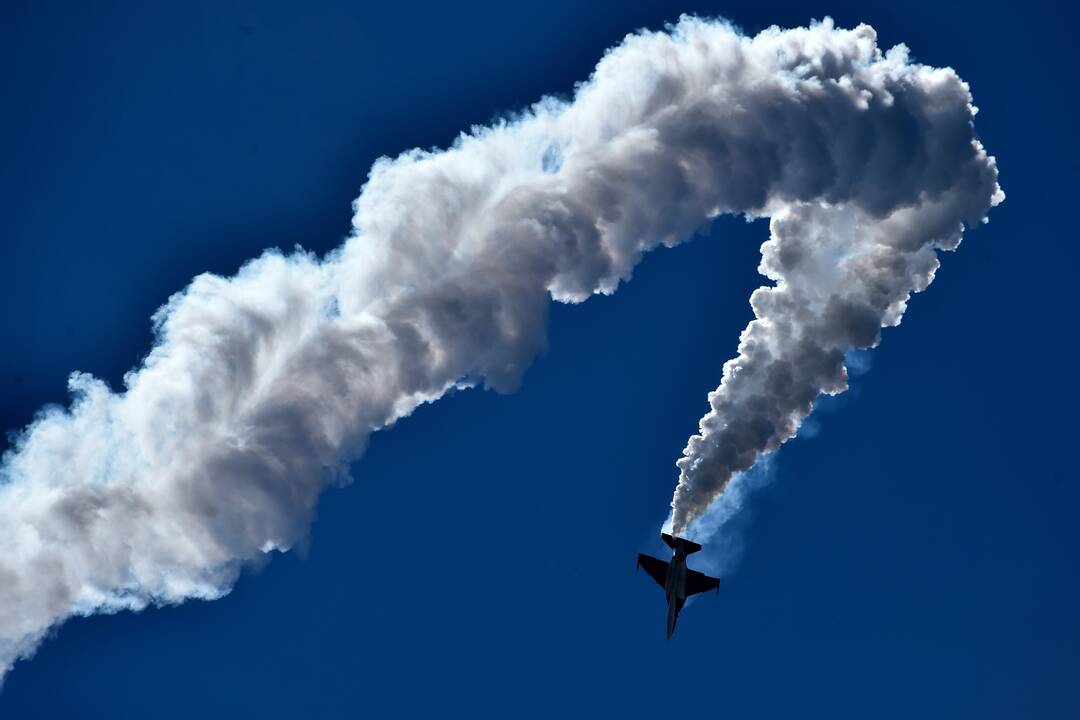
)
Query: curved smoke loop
[{"x": 262, "y": 387}]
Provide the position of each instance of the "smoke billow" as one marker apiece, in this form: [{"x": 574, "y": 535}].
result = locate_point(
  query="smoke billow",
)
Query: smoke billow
[
  {"x": 261, "y": 388},
  {"x": 844, "y": 264}
]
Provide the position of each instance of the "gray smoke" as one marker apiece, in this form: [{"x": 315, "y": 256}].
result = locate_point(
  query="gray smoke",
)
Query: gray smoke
[
  {"x": 889, "y": 191},
  {"x": 261, "y": 388}
]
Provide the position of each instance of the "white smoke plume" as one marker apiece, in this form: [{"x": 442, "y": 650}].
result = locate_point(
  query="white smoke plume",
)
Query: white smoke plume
[
  {"x": 846, "y": 263},
  {"x": 261, "y": 388}
]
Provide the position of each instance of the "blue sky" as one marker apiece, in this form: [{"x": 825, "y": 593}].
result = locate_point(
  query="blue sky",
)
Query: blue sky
[{"x": 917, "y": 557}]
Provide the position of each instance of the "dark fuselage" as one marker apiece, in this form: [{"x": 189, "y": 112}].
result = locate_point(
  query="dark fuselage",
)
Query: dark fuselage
[{"x": 675, "y": 587}]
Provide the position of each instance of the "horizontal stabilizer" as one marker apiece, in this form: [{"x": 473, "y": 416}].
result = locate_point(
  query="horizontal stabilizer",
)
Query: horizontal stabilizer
[{"x": 675, "y": 543}]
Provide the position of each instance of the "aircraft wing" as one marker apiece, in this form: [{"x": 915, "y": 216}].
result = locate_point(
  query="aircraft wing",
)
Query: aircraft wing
[
  {"x": 698, "y": 583},
  {"x": 656, "y": 568}
]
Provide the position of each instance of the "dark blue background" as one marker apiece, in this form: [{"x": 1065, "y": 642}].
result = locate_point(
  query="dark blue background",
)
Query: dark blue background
[{"x": 918, "y": 558}]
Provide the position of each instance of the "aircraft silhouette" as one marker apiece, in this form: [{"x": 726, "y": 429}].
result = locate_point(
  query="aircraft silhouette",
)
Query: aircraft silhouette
[{"x": 679, "y": 582}]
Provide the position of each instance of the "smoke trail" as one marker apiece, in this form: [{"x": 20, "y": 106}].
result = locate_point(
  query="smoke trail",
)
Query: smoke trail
[
  {"x": 721, "y": 527},
  {"x": 844, "y": 266},
  {"x": 261, "y": 388}
]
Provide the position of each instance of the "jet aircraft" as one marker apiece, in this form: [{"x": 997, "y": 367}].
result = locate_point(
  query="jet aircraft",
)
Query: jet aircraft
[{"x": 679, "y": 582}]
